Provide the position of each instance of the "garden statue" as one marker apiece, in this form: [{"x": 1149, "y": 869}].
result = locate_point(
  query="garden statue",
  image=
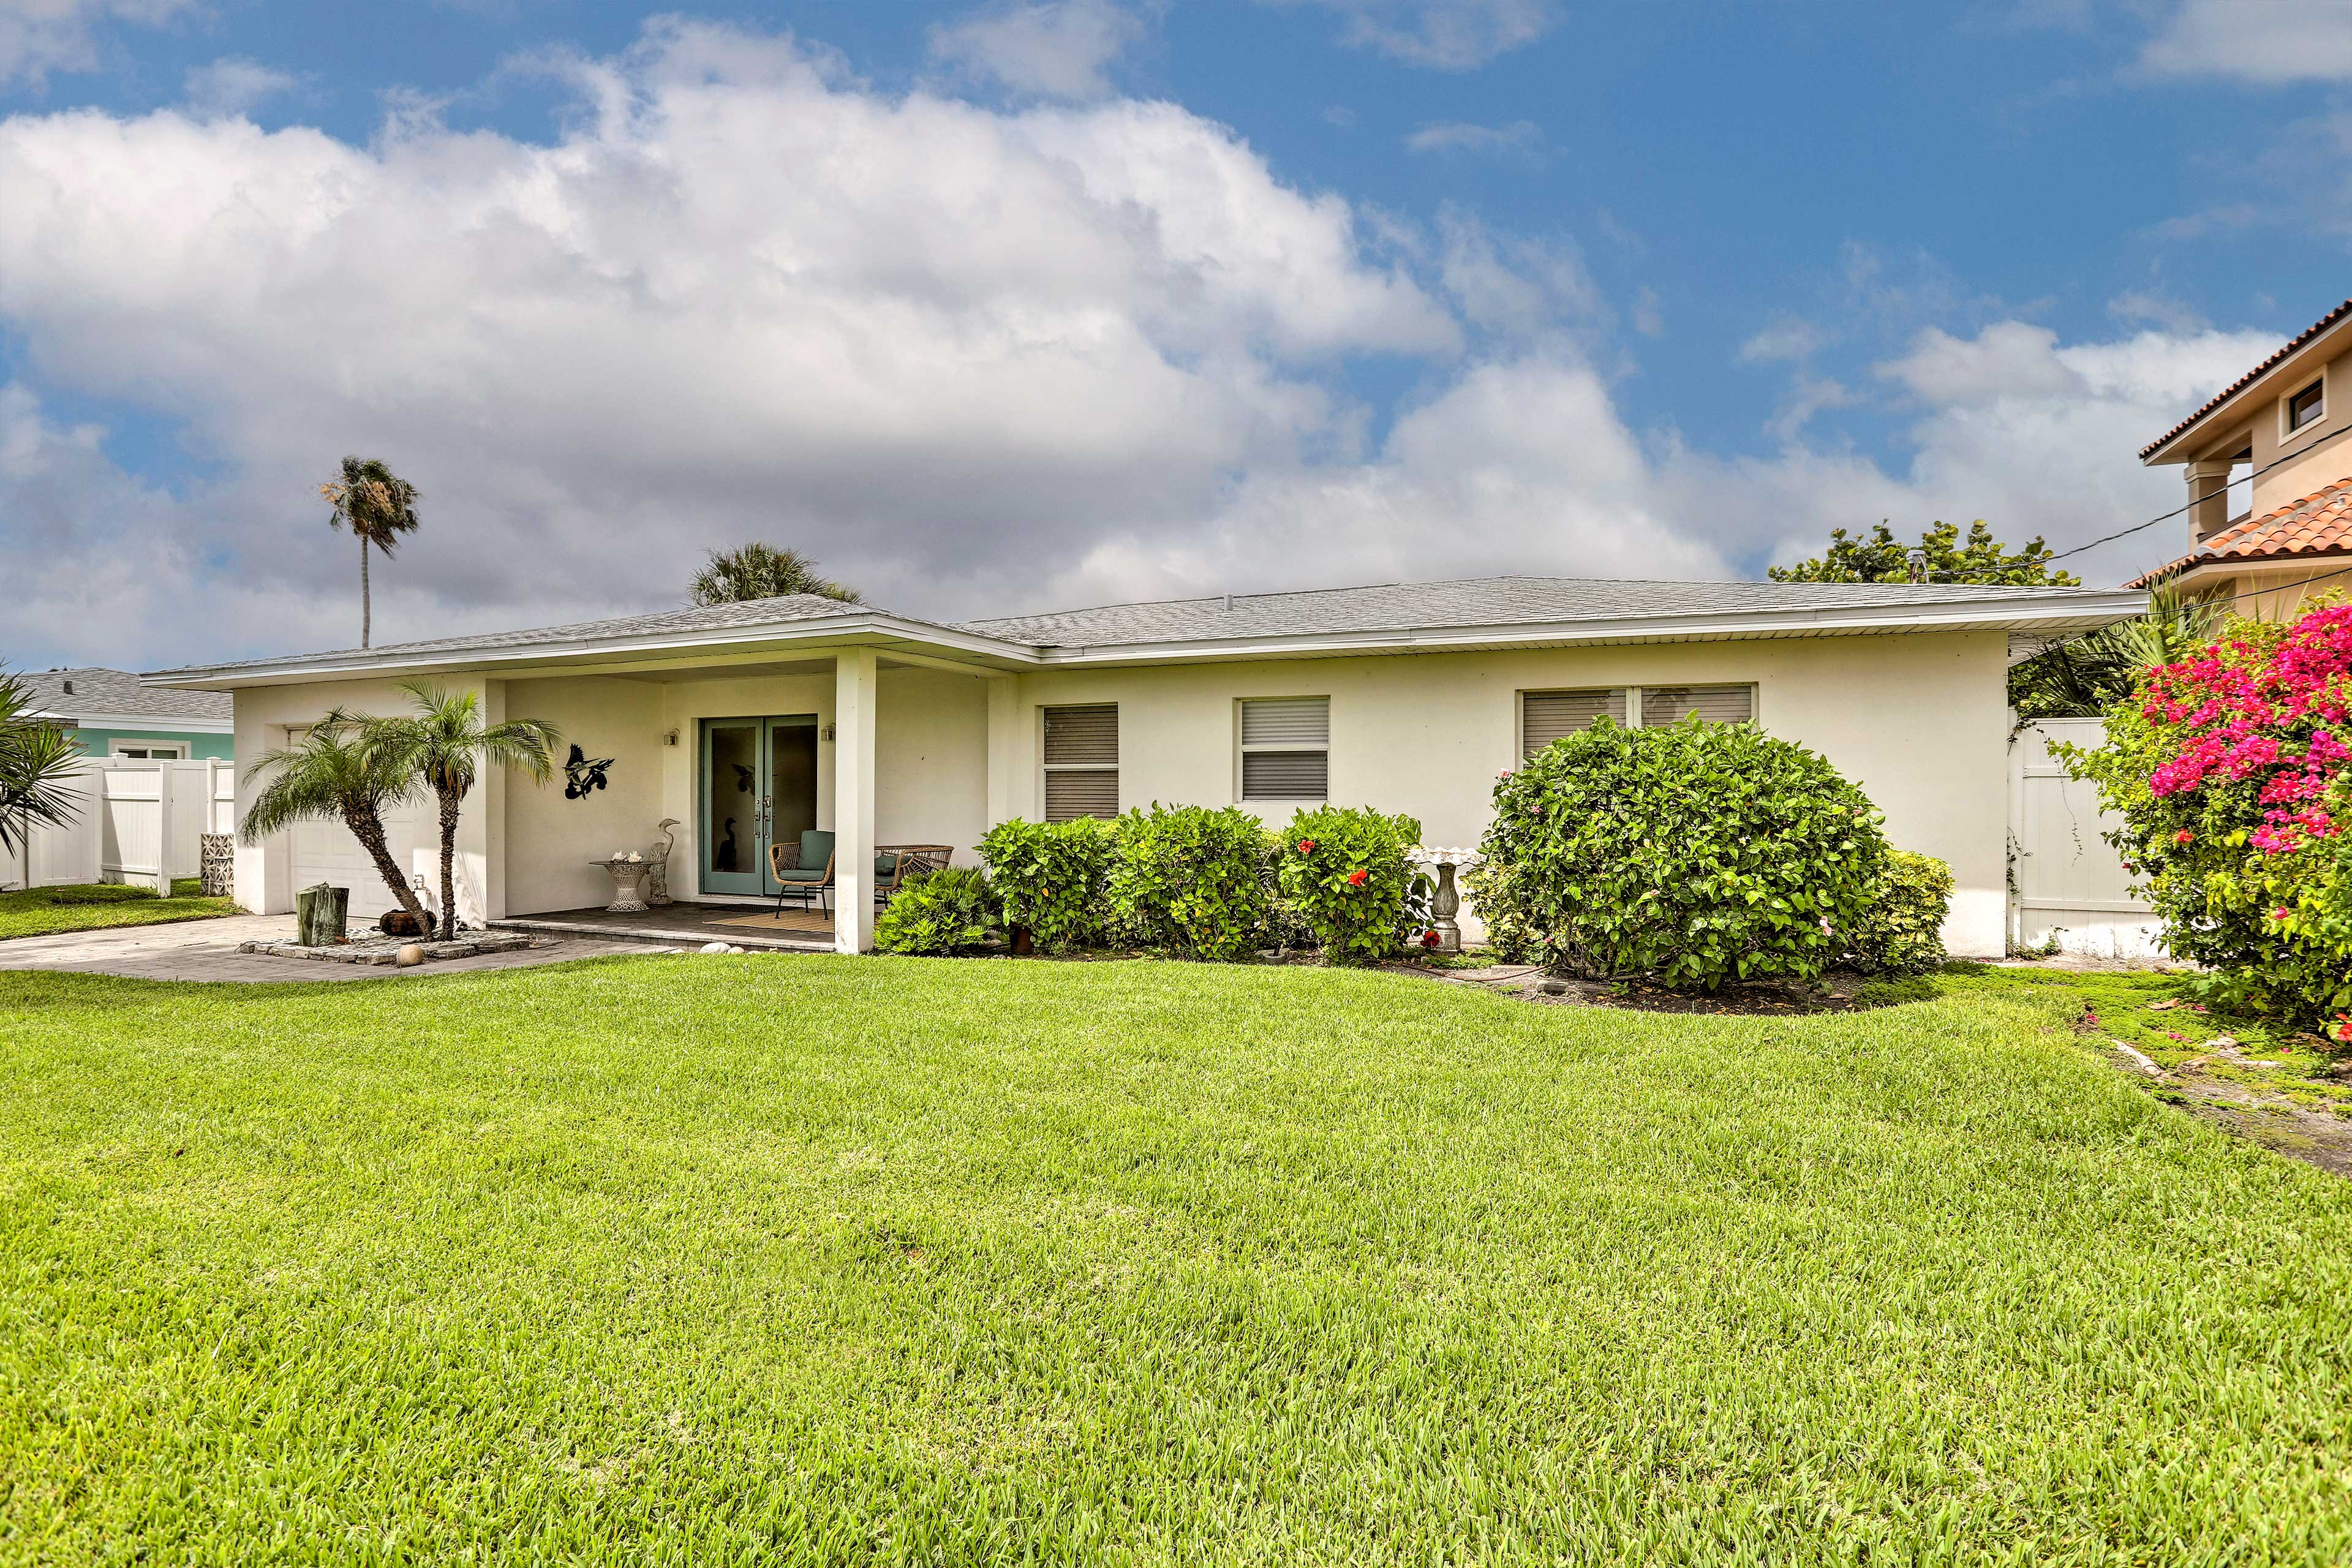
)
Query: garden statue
[{"x": 657, "y": 863}]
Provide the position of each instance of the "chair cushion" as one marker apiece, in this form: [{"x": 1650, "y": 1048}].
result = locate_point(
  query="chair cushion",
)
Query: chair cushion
[
  {"x": 816, "y": 847},
  {"x": 800, "y": 874},
  {"x": 885, "y": 865}
]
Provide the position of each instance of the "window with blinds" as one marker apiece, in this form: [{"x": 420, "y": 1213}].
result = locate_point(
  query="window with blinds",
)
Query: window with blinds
[
  {"x": 1546, "y": 716},
  {"x": 1287, "y": 748},
  {"x": 1081, "y": 761},
  {"x": 1714, "y": 704}
]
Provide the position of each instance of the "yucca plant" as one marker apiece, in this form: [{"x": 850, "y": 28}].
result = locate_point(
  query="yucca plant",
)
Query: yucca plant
[
  {"x": 35, "y": 759},
  {"x": 336, "y": 772},
  {"x": 445, "y": 746}
]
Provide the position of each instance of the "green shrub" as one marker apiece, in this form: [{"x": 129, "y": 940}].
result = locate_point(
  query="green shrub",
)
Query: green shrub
[
  {"x": 100, "y": 893},
  {"x": 1050, "y": 877},
  {"x": 952, "y": 909},
  {"x": 1510, "y": 934},
  {"x": 1692, "y": 856},
  {"x": 1347, "y": 871},
  {"x": 1192, "y": 878},
  {"x": 1902, "y": 930}
]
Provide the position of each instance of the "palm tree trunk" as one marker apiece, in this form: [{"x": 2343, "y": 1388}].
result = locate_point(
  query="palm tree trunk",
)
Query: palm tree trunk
[
  {"x": 449, "y": 800},
  {"x": 368, "y": 828},
  {"x": 364, "y": 614}
]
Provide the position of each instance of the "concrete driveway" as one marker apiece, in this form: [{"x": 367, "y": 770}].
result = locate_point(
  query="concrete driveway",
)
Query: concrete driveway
[{"x": 206, "y": 949}]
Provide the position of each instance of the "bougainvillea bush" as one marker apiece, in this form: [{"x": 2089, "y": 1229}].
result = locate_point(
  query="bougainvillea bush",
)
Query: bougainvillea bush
[
  {"x": 2228, "y": 770},
  {"x": 1050, "y": 877},
  {"x": 1348, "y": 873},
  {"x": 1692, "y": 856}
]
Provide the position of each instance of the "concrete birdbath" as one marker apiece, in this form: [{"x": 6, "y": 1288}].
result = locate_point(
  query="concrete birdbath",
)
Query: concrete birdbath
[{"x": 629, "y": 873}]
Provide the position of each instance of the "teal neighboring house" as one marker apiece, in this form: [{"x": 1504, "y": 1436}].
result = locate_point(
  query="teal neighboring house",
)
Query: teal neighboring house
[{"x": 111, "y": 715}]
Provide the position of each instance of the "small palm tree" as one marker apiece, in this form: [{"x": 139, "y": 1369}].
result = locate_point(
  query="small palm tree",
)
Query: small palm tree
[
  {"x": 376, "y": 505},
  {"x": 757, "y": 570},
  {"x": 336, "y": 772},
  {"x": 35, "y": 759},
  {"x": 444, "y": 744}
]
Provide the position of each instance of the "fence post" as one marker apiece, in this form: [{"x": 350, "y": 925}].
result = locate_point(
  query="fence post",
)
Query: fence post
[{"x": 163, "y": 830}]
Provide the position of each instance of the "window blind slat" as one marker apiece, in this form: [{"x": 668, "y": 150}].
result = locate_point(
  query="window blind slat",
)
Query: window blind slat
[
  {"x": 1286, "y": 775},
  {"x": 1287, "y": 721},
  {"x": 1712, "y": 704},
  {"x": 1081, "y": 791},
  {"x": 1546, "y": 716},
  {"x": 1082, "y": 737}
]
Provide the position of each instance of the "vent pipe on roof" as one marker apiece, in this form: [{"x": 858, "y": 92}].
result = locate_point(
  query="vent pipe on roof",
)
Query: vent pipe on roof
[
  {"x": 1229, "y": 601},
  {"x": 68, "y": 687}
]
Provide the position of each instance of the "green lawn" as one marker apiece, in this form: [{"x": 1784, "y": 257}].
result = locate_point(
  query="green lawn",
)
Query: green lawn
[
  {"x": 43, "y": 911},
  {"x": 728, "y": 1259}
]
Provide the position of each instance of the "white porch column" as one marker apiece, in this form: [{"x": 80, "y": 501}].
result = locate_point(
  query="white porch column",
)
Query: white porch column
[
  {"x": 853, "y": 800},
  {"x": 481, "y": 868},
  {"x": 1008, "y": 751}
]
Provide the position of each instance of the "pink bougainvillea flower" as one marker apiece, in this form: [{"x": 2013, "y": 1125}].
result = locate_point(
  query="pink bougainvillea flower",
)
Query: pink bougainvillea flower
[
  {"x": 2280, "y": 913},
  {"x": 1357, "y": 879}
]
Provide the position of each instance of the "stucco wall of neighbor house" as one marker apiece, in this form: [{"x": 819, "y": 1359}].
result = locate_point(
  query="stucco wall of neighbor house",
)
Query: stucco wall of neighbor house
[
  {"x": 265, "y": 883},
  {"x": 100, "y": 742},
  {"x": 2307, "y": 465},
  {"x": 1920, "y": 721}
]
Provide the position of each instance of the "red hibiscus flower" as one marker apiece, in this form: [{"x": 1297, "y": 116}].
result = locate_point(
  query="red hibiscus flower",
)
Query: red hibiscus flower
[
  {"x": 1429, "y": 939},
  {"x": 1357, "y": 878},
  {"x": 2183, "y": 837},
  {"x": 1307, "y": 846}
]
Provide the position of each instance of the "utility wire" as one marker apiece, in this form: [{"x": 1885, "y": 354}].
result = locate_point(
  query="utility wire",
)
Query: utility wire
[{"x": 2167, "y": 517}]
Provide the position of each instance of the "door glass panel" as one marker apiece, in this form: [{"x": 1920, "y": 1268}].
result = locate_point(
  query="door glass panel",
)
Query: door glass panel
[
  {"x": 792, "y": 773},
  {"x": 730, "y": 835}
]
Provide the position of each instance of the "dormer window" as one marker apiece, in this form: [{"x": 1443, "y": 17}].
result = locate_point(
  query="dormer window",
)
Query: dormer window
[{"x": 2308, "y": 407}]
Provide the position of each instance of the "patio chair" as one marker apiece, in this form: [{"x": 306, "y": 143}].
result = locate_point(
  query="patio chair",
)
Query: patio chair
[
  {"x": 897, "y": 866},
  {"x": 804, "y": 868}
]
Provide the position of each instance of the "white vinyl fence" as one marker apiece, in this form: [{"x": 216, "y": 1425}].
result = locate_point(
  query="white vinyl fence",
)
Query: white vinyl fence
[
  {"x": 136, "y": 820},
  {"x": 2065, "y": 880}
]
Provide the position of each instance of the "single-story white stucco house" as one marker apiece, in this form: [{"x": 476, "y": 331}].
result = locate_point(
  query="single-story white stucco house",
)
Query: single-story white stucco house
[{"x": 748, "y": 723}]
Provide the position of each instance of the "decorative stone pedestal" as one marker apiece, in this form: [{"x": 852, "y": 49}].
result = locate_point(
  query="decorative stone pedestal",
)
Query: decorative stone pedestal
[
  {"x": 1445, "y": 903},
  {"x": 628, "y": 886}
]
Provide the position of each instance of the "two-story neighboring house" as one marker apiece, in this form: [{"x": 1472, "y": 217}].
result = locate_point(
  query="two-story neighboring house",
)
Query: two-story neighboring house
[{"x": 2281, "y": 427}]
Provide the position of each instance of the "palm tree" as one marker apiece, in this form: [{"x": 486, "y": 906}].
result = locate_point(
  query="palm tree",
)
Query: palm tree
[
  {"x": 378, "y": 506},
  {"x": 446, "y": 744},
  {"x": 757, "y": 570},
  {"x": 2083, "y": 677},
  {"x": 336, "y": 772},
  {"x": 35, "y": 759}
]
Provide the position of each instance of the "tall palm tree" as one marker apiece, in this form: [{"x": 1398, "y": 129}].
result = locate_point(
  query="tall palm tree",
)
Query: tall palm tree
[
  {"x": 378, "y": 506},
  {"x": 756, "y": 571},
  {"x": 336, "y": 772},
  {"x": 35, "y": 758},
  {"x": 446, "y": 744}
]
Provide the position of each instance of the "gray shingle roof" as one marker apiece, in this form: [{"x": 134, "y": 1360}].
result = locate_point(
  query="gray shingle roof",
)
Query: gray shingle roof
[
  {"x": 118, "y": 691},
  {"x": 1477, "y": 602}
]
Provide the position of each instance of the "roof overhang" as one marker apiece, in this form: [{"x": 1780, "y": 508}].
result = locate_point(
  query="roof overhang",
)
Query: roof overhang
[
  {"x": 162, "y": 723},
  {"x": 2186, "y": 441},
  {"x": 2039, "y": 618}
]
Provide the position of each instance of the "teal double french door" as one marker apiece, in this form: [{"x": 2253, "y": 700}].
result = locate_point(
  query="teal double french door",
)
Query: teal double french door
[{"x": 759, "y": 787}]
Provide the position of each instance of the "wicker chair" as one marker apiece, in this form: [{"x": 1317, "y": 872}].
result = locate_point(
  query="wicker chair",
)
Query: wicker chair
[
  {"x": 897, "y": 866},
  {"x": 804, "y": 868}
]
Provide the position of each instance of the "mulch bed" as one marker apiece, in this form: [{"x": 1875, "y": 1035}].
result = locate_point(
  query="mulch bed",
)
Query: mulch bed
[{"x": 1837, "y": 992}]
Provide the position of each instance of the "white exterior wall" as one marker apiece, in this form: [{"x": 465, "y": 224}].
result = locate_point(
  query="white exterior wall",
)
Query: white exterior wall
[{"x": 1919, "y": 721}]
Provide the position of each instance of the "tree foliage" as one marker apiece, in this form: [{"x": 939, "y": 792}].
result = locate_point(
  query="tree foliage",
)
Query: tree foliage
[
  {"x": 1944, "y": 557},
  {"x": 378, "y": 506},
  {"x": 1692, "y": 856},
  {"x": 36, "y": 757},
  {"x": 757, "y": 570},
  {"x": 2083, "y": 677}
]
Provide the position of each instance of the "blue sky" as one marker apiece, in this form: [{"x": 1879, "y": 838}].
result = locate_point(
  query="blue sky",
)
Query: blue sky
[{"x": 1014, "y": 306}]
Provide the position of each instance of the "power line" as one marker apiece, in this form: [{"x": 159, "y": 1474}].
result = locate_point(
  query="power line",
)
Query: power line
[{"x": 2303, "y": 451}]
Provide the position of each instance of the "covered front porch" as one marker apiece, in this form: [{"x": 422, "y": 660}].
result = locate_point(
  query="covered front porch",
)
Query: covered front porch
[{"x": 690, "y": 925}]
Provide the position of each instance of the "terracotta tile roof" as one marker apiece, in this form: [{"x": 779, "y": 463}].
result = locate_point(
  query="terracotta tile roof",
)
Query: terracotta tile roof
[
  {"x": 2240, "y": 385},
  {"x": 2318, "y": 524}
]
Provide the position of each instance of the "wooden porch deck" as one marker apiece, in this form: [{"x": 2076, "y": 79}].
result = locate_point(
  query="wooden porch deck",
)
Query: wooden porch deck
[{"x": 691, "y": 925}]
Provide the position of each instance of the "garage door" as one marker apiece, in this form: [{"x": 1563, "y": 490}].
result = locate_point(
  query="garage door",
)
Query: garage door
[{"x": 326, "y": 852}]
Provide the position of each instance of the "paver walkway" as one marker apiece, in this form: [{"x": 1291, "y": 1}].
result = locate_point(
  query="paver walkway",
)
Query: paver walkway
[{"x": 206, "y": 949}]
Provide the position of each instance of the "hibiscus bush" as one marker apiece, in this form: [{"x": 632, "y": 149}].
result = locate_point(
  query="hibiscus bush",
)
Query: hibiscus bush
[
  {"x": 2228, "y": 770},
  {"x": 1347, "y": 872},
  {"x": 1192, "y": 878},
  {"x": 1051, "y": 878},
  {"x": 1692, "y": 856}
]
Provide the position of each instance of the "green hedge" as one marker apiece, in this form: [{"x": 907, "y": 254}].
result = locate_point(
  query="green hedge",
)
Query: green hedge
[
  {"x": 1051, "y": 878},
  {"x": 952, "y": 909},
  {"x": 1192, "y": 878},
  {"x": 1902, "y": 930},
  {"x": 1348, "y": 873},
  {"x": 1692, "y": 856}
]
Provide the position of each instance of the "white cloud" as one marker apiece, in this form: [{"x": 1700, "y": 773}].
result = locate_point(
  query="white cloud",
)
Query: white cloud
[
  {"x": 37, "y": 37},
  {"x": 1448, "y": 35},
  {"x": 1789, "y": 338},
  {"x": 231, "y": 87},
  {"x": 2261, "y": 42},
  {"x": 1522, "y": 138},
  {"x": 1051, "y": 48}
]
